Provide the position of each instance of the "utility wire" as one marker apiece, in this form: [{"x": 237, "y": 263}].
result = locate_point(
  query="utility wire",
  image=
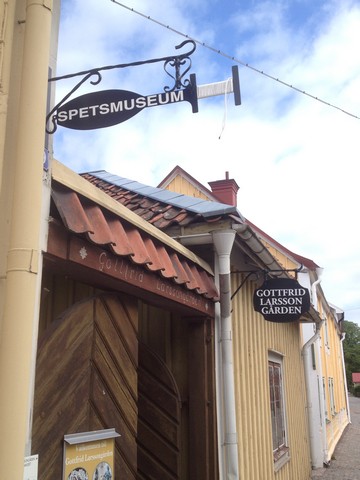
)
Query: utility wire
[{"x": 236, "y": 60}]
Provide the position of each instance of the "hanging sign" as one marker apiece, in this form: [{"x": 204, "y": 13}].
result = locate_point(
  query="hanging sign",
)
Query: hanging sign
[
  {"x": 110, "y": 107},
  {"x": 89, "y": 455},
  {"x": 281, "y": 300}
]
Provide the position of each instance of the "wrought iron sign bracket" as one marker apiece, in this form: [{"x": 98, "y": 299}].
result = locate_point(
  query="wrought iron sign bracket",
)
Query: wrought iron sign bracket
[
  {"x": 266, "y": 273},
  {"x": 176, "y": 66},
  {"x": 110, "y": 107}
]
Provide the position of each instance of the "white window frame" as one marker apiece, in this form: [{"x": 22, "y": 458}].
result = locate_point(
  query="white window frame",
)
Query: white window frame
[
  {"x": 331, "y": 396},
  {"x": 277, "y": 401},
  {"x": 325, "y": 400},
  {"x": 326, "y": 337}
]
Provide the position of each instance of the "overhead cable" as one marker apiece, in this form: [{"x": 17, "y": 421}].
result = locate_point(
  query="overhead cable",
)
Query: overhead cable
[{"x": 236, "y": 60}]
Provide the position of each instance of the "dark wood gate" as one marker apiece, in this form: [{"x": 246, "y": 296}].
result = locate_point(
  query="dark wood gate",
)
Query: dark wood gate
[
  {"x": 86, "y": 379},
  {"x": 92, "y": 374},
  {"x": 159, "y": 419}
]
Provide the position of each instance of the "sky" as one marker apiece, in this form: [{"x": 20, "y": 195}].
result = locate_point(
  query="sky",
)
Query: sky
[{"x": 294, "y": 155}]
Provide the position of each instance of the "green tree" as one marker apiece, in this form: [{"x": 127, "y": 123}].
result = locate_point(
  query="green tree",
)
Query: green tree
[{"x": 351, "y": 349}]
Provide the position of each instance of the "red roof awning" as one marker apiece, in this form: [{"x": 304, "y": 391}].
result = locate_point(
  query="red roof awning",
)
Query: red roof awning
[{"x": 85, "y": 218}]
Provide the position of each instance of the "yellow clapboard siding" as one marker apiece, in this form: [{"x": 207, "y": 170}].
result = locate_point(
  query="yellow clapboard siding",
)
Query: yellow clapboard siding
[
  {"x": 180, "y": 184},
  {"x": 331, "y": 359},
  {"x": 253, "y": 338}
]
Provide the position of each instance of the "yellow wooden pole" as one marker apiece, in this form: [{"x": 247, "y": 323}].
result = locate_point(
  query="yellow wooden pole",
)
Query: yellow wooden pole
[{"x": 23, "y": 273}]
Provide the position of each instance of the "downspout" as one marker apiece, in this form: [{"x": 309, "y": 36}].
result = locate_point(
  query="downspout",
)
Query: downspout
[
  {"x": 23, "y": 270},
  {"x": 316, "y": 449},
  {"x": 314, "y": 298},
  {"x": 326, "y": 460},
  {"x": 313, "y": 288},
  {"x": 223, "y": 243}
]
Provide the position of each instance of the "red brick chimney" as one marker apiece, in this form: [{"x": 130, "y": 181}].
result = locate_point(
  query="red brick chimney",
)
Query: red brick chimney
[{"x": 225, "y": 190}]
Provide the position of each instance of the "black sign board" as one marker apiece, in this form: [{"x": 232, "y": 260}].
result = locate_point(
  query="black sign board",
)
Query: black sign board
[
  {"x": 281, "y": 300},
  {"x": 110, "y": 107}
]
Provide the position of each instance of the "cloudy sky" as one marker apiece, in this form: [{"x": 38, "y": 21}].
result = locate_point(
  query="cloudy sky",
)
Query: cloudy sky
[{"x": 295, "y": 158}]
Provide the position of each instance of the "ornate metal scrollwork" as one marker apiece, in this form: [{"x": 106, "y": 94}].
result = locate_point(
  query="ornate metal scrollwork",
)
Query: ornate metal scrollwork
[
  {"x": 51, "y": 117},
  {"x": 177, "y": 62}
]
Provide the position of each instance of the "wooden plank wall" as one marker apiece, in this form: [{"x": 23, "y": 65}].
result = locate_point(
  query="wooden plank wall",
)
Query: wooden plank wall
[
  {"x": 86, "y": 379},
  {"x": 331, "y": 361},
  {"x": 253, "y": 338}
]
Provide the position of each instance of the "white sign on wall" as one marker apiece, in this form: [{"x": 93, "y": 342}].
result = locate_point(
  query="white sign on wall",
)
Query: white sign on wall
[{"x": 31, "y": 467}]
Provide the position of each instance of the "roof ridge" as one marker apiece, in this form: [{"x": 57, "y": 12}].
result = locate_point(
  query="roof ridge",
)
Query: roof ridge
[{"x": 206, "y": 208}]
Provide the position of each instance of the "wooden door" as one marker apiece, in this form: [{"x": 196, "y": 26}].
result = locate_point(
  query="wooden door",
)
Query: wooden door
[
  {"x": 86, "y": 379},
  {"x": 159, "y": 428}
]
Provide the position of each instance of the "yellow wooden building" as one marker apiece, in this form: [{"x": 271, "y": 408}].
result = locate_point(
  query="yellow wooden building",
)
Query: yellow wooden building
[
  {"x": 262, "y": 418},
  {"x": 327, "y": 391},
  {"x": 309, "y": 353}
]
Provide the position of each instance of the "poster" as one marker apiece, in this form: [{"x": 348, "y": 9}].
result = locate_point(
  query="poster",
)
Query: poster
[{"x": 89, "y": 456}]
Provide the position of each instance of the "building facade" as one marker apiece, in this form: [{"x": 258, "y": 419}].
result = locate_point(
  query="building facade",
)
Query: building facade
[
  {"x": 110, "y": 319},
  {"x": 322, "y": 350},
  {"x": 262, "y": 417},
  {"x": 321, "y": 341}
]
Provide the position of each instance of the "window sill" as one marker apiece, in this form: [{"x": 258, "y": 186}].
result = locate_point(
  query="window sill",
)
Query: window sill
[{"x": 281, "y": 457}]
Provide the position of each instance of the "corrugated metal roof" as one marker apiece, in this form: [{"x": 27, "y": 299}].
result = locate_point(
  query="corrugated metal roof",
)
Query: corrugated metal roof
[
  {"x": 103, "y": 228},
  {"x": 125, "y": 191}
]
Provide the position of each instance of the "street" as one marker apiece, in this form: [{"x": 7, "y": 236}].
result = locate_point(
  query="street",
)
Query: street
[{"x": 345, "y": 464}]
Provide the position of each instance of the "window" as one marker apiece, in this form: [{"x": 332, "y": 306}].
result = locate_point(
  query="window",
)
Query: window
[
  {"x": 326, "y": 336},
  {"x": 325, "y": 402},
  {"x": 332, "y": 395},
  {"x": 277, "y": 409}
]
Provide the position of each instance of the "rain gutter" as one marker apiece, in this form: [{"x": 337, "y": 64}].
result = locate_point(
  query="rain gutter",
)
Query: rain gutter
[{"x": 245, "y": 232}]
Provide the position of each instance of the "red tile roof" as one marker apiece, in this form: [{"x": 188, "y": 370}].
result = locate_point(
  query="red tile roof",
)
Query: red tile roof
[
  {"x": 159, "y": 213},
  {"x": 356, "y": 377},
  {"x": 84, "y": 217},
  {"x": 163, "y": 215}
]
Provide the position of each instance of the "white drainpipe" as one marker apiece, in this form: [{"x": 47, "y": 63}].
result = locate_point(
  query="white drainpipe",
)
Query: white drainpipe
[
  {"x": 223, "y": 242},
  {"x": 313, "y": 404},
  {"x": 314, "y": 298},
  {"x": 326, "y": 459},
  {"x": 313, "y": 288},
  {"x": 315, "y": 396}
]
